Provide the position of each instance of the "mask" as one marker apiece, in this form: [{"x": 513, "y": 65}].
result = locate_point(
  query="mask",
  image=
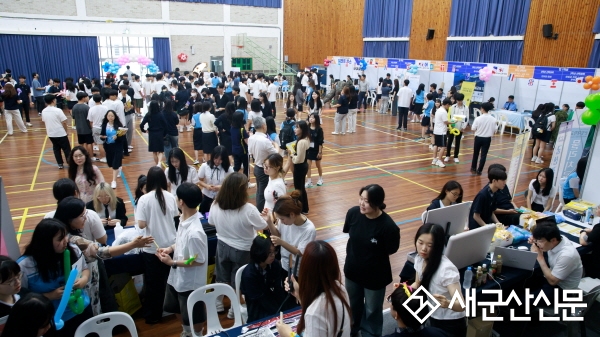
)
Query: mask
[{"x": 193, "y": 94}]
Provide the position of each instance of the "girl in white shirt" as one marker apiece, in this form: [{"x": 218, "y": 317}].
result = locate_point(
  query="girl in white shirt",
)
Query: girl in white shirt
[
  {"x": 541, "y": 191},
  {"x": 212, "y": 174},
  {"x": 209, "y": 130},
  {"x": 273, "y": 167},
  {"x": 325, "y": 313},
  {"x": 179, "y": 171},
  {"x": 436, "y": 273}
]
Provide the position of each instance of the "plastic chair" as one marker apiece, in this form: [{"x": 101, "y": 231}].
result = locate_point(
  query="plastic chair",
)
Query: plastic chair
[
  {"x": 477, "y": 112},
  {"x": 560, "y": 195},
  {"x": 238, "y": 283},
  {"x": 503, "y": 122},
  {"x": 104, "y": 324},
  {"x": 284, "y": 90},
  {"x": 210, "y": 299},
  {"x": 373, "y": 96}
]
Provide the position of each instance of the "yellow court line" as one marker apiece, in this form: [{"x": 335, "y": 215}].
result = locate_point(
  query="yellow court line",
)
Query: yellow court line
[
  {"x": 39, "y": 189},
  {"x": 30, "y": 216},
  {"x": 48, "y": 205},
  {"x": 330, "y": 149},
  {"x": 37, "y": 168},
  {"x": 192, "y": 159},
  {"x": 396, "y": 175},
  {"x": 1, "y": 140},
  {"x": 22, "y": 224},
  {"x": 393, "y": 212},
  {"x": 17, "y": 158},
  {"x": 45, "y": 182}
]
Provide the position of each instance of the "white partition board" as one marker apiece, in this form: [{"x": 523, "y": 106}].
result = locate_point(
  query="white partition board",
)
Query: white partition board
[
  {"x": 492, "y": 88},
  {"x": 590, "y": 191},
  {"x": 524, "y": 91},
  {"x": 572, "y": 93},
  {"x": 549, "y": 91}
]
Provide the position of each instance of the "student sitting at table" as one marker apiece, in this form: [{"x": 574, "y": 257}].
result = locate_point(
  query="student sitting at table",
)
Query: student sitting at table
[
  {"x": 563, "y": 270},
  {"x": 590, "y": 261},
  {"x": 510, "y": 104},
  {"x": 491, "y": 101},
  {"x": 541, "y": 191},
  {"x": 572, "y": 186},
  {"x": 484, "y": 205},
  {"x": 505, "y": 212},
  {"x": 451, "y": 194},
  {"x": 109, "y": 207},
  {"x": 262, "y": 282}
]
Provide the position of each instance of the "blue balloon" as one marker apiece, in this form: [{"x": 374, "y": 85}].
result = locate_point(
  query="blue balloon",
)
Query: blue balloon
[
  {"x": 64, "y": 300},
  {"x": 106, "y": 66}
]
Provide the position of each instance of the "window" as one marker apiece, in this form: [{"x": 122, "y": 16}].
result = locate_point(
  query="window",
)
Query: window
[{"x": 112, "y": 47}]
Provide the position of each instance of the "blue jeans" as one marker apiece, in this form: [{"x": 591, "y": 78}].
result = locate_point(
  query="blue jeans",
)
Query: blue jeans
[
  {"x": 367, "y": 309},
  {"x": 169, "y": 143},
  {"x": 362, "y": 99}
]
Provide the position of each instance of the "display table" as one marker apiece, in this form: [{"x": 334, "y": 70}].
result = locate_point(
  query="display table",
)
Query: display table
[
  {"x": 515, "y": 118},
  {"x": 290, "y": 317}
]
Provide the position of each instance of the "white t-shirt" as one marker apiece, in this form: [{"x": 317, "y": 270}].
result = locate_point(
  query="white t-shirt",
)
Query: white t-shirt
[
  {"x": 445, "y": 275},
  {"x": 539, "y": 198},
  {"x": 160, "y": 226},
  {"x": 236, "y": 227},
  {"x": 275, "y": 186},
  {"x": 257, "y": 87},
  {"x": 272, "y": 92},
  {"x": 208, "y": 122},
  {"x": 297, "y": 236},
  {"x": 190, "y": 240},
  {"x": 459, "y": 110},
  {"x": 158, "y": 86},
  {"x": 96, "y": 115},
  {"x": 118, "y": 107},
  {"x": 405, "y": 95},
  {"x": 485, "y": 126},
  {"x": 214, "y": 176},
  {"x": 315, "y": 78},
  {"x": 243, "y": 89},
  {"x": 319, "y": 317},
  {"x": 136, "y": 89},
  {"x": 304, "y": 81},
  {"x": 441, "y": 116},
  {"x": 93, "y": 228},
  {"x": 192, "y": 177},
  {"x": 53, "y": 118},
  {"x": 148, "y": 87},
  {"x": 565, "y": 263},
  {"x": 72, "y": 96},
  {"x": 551, "y": 119}
]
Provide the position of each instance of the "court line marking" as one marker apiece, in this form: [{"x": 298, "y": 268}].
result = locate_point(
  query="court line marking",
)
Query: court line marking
[
  {"x": 46, "y": 182},
  {"x": 24, "y": 217},
  {"x": 393, "y": 212},
  {"x": 37, "y": 190},
  {"x": 38, "y": 164},
  {"x": 406, "y": 179},
  {"x": 1, "y": 140}
]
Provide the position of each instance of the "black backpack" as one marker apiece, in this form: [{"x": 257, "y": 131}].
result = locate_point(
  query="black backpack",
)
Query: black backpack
[
  {"x": 286, "y": 134},
  {"x": 541, "y": 123}
]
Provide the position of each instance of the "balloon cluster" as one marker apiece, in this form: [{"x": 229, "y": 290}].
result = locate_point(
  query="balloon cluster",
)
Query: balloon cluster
[
  {"x": 326, "y": 62},
  {"x": 124, "y": 59},
  {"x": 362, "y": 65},
  {"x": 413, "y": 69},
  {"x": 592, "y": 82},
  {"x": 485, "y": 73},
  {"x": 592, "y": 115},
  {"x": 111, "y": 67},
  {"x": 182, "y": 57}
]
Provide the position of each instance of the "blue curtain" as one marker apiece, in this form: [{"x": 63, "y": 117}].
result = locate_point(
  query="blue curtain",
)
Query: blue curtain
[
  {"x": 387, "y": 18},
  {"x": 254, "y": 3},
  {"x": 596, "y": 29},
  {"x": 504, "y": 52},
  {"x": 50, "y": 56},
  {"x": 594, "y": 61},
  {"x": 387, "y": 49},
  {"x": 162, "y": 53},
  {"x": 489, "y": 17}
]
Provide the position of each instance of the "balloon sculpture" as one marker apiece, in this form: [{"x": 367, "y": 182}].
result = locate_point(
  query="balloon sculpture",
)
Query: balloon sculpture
[
  {"x": 592, "y": 115},
  {"x": 124, "y": 59},
  {"x": 363, "y": 65},
  {"x": 485, "y": 73},
  {"x": 182, "y": 57},
  {"x": 77, "y": 300},
  {"x": 413, "y": 69},
  {"x": 592, "y": 82},
  {"x": 326, "y": 62}
]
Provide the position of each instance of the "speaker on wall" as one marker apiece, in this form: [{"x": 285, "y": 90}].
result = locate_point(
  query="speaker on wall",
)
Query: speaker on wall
[
  {"x": 547, "y": 30},
  {"x": 430, "y": 33}
]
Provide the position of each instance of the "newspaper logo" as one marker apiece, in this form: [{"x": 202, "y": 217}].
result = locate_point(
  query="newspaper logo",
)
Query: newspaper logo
[{"x": 424, "y": 302}]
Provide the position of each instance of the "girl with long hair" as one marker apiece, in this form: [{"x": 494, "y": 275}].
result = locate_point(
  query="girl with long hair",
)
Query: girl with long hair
[
  {"x": 239, "y": 142},
  {"x": 273, "y": 167},
  {"x": 543, "y": 134},
  {"x": 541, "y": 191},
  {"x": 315, "y": 105},
  {"x": 171, "y": 139},
  {"x": 324, "y": 301},
  {"x": 315, "y": 151},
  {"x": 341, "y": 112},
  {"x": 209, "y": 130},
  {"x": 436, "y": 106},
  {"x": 11, "y": 107},
  {"x": 31, "y": 316},
  {"x": 223, "y": 124},
  {"x": 451, "y": 194},
  {"x": 140, "y": 189},
  {"x": 155, "y": 212},
  {"x": 439, "y": 276},
  {"x": 179, "y": 171},
  {"x": 272, "y": 130},
  {"x": 85, "y": 174},
  {"x": 265, "y": 105},
  {"x": 418, "y": 101},
  {"x": 42, "y": 269},
  {"x": 110, "y": 208},
  {"x": 299, "y": 160},
  {"x": 113, "y": 144},
  {"x": 298, "y": 99},
  {"x": 352, "y": 109},
  {"x": 291, "y": 104},
  {"x": 157, "y": 130},
  {"x": 211, "y": 176}
]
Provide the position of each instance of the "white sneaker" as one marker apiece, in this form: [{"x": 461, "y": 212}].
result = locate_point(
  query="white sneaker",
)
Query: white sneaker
[
  {"x": 186, "y": 334},
  {"x": 230, "y": 314},
  {"x": 335, "y": 133},
  {"x": 103, "y": 160},
  {"x": 308, "y": 184},
  {"x": 430, "y": 147},
  {"x": 446, "y": 159},
  {"x": 113, "y": 184},
  {"x": 95, "y": 159},
  {"x": 456, "y": 160},
  {"x": 320, "y": 182},
  {"x": 181, "y": 129},
  {"x": 440, "y": 163},
  {"x": 251, "y": 185},
  {"x": 196, "y": 162},
  {"x": 434, "y": 162},
  {"x": 119, "y": 174},
  {"x": 189, "y": 128},
  {"x": 28, "y": 124},
  {"x": 74, "y": 127},
  {"x": 130, "y": 147},
  {"x": 219, "y": 304},
  {"x": 534, "y": 158},
  {"x": 539, "y": 161}
]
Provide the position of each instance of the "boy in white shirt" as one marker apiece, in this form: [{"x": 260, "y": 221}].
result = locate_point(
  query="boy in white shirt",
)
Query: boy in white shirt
[
  {"x": 244, "y": 88},
  {"x": 188, "y": 265},
  {"x": 138, "y": 95},
  {"x": 439, "y": 133},
  {"x": 56, "y": 129},
  {"x": 95, "y": 117},
  {"x": 272, "y": 90},
  {"x": 148, "y": 87},
  {"x": 457, "y": 109},
  {"x": 484, "y": 126},
  {"x": 258, "y": 86},
  {"x": 112, "y": 103}
]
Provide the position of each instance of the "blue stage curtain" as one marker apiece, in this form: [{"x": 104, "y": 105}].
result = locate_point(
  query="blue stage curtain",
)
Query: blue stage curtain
[
  {"x": 594, "y": 61},
  {"x": 463, "y": 51},
  {"x": 387, "y": 49},
  {"x": 50, "y": 56},
  {"x": 162, "y": 53},
  {"x": 504, "y": 52},
  {"x": 253, "y": 3},
  {"x": 387, "y": 18},
  {"x": 489, "y": 17},
  {"x": 596, "y": 29}
]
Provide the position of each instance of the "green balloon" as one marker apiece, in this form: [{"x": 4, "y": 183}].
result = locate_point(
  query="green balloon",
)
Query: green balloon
[
  {"x": 592, "y": 101},
  {"x": 590, "y": 117}
]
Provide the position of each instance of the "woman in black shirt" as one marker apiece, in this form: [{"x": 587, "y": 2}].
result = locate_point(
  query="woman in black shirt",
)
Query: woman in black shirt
[
  {"x": 374, "y": 236},
  {"x": 341, "y": 113}
]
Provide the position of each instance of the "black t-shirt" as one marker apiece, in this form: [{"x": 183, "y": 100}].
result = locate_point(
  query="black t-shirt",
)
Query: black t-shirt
[
  {"x": 263, "y": 290},
  {"x": 25, "y": 91},
  {"x": 504, "y": 199},
  {"x": 484, "y": 204},
  {"x": 371, "y": 243},
  {"x": 593, "y": 270},
  {"x": 435, "y": 95},
  {"x": 316, "y": 138}
]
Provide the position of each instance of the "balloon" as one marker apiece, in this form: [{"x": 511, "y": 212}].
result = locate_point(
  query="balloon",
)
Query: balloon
[
  {"x": 596, "y": 80},
  {"x": 590, "y": 118},
  {"x": 592, "y": 101},
  {"x": 595, "y": 86},
  {"x": 589, "y": 78},
  {"x": 106, "y": 66},
  {"x": 64, "y": 300},
  {"x": 586, "y": 86},
  {"x": 590, "y": 83}
]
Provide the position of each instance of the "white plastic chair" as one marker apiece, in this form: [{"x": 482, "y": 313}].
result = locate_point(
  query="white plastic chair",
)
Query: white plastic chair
[
  {"x": 104, "y": 324},
  {"x": 373, "y": 97},
  {"x": 503, "y": 122},
  {"x": 284, "y": 90},
  {"x": 210, "y": 299},
  {"x": 528, "y": 125},
  {"x": 561, "y": 202},
  {"x": 477, "y": 112},
  {"x": 238, "y": 283}
]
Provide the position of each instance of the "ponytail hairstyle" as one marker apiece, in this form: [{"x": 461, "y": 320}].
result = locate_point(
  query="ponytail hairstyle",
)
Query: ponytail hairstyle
[
  {"x": 276, "y": 160},
  {"x": 289, "y": 204}
]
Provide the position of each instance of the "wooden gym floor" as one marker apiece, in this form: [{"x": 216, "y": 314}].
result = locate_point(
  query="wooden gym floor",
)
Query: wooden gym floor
[{"x": 376, "y": 153}]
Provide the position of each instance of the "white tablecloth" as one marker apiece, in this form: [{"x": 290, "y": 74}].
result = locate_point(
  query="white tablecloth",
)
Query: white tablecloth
[{"x": 515, "y": 118}]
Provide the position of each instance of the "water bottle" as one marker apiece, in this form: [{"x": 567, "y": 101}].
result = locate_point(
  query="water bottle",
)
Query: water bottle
[
  {"x": 118, "y": 229},
  {"x": 468, "y": 278},
  {"x": 588, "y": 214}
]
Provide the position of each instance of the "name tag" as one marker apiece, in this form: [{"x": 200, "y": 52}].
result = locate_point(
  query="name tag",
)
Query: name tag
[{"x": 312, "y": 144}]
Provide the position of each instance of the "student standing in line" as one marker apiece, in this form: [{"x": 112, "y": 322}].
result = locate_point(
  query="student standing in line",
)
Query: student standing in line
[
  {"x": 439, "y": 133},
  {"x": 341, "y": 112},
  {"x": 156, "y": 131},
  {"x": 128, "y": 112},
  {"x": 315, "y": 151},
  {"x": 426, "y": 120},
  {"x": 484, "y": 126},
  {"x": 56, "y": 129},
  {"x": 374, "y": 236},
  {"x": 484, "y": 204},
  {"x": 405, "y": 95},
  {"x": 209, "y": 131},
  {"x": 80, "y": 115},
  {"x": 95, "y": 117},
  {"x": 171, "y": 140},
  {"x": 239, "y": 143},
  {"x": 299, "y": 160},
  {"x": 276, "y": 187},
  {"x": 457, "y": 109},
  {"x": 272, "y": 90}
]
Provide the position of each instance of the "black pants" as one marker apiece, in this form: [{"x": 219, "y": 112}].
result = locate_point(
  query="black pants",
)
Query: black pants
[
  {"x": 456, "y": 146},
  {"x": 537, "y": 207},
  {"x": 205, "y": 204},
  {"x": 300, "y": 171},
  {"x": 240, "y": 160},
  {"x": 40, "y": 104},
  {"x": 452, "y": 327},
  {"x": 482, "y": 144},
  {"x": 262, "y": 180},
  {"x": 402, "y": 117},
  {"x": 61, "y": 143},
  {"x": 362, "y": 99},
  {"x": 24, "y": 109},
  {"x": 155, "y": 281},
  {"x": 273, "y": 108}
]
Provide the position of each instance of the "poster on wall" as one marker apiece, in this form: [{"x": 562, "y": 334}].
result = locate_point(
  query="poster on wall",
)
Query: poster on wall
[
  {"x": 498, "y": 69},
  {"x": 515, "y": 71},
  {"x": 423, "y": 65},
  {"x": 414, "y": 81},
  {"x": 467, "y": 89},
  {"x": 479, "y": 85},
  {"x": 548, "y": 91},
  {"x": 441, "y": 66},
  {"x": 516, "y": 161}
]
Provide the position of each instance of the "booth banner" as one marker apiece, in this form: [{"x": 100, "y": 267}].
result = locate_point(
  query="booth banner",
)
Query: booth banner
[
  {"x": 376, "y": 62},
  {"x": 574, "y": 149},
  {"x": 515, "y": 71},
  {"x": 467, "y": 89},
  {"x": 547, "y": 73},
  {"x": 516, "y": 161},
  {"x": 499, "y": 69},
  {"x": 576, "y": 74},
  {"x": 423, "y": 65},
  {"x": 344, "y": 61},
  {"x": 394, "y": 64},
  {"x": 558, "y": 160},
  {"x": 466, "y": 68},
  {"x": 441, "y": 66}
]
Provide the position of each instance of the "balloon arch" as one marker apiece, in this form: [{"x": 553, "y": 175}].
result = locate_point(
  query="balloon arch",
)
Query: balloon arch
[{"x": 124, "y": 59}]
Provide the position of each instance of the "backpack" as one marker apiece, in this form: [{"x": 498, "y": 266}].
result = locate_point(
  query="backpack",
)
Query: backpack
[
  {"x": 286, "y": 134},
  {"x": 541, "y": 123}
]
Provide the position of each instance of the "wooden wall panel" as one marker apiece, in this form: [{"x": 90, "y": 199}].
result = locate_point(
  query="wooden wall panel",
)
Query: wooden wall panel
[
  {"x": 314, "y": 30},
  {"x": 434, "y": 14},
  {"x": 572, "y": 20}
]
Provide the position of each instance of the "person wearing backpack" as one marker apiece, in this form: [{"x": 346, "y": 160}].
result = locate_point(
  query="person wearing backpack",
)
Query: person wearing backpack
[
  {"x": 543, "y": 127},
  {"x": 287, "y": 135}
]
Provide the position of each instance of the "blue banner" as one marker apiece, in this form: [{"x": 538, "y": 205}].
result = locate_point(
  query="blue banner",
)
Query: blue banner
[
  {"x": 547, "y": 73},
  {"x": 576, "y": 74},
  {"x": 395, "y": 63}
]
